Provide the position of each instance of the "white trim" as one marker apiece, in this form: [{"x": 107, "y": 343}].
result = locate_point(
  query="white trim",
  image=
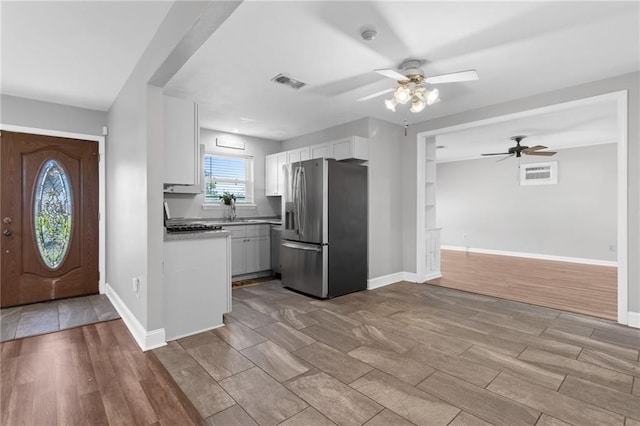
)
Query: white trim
[
  {"x": 623, "y": 214},
  {"x": 410, "y": 276},
  {"x": 634, "y": 319},
  {"x": 145, "y": 339},
  {"x": 102, "y": 263},
  {"x": 539, "y": 256},
  {"x": 622, "y": 194},
  {"x": 191, "y": 333},
  {"x": 384, "y": 280}
]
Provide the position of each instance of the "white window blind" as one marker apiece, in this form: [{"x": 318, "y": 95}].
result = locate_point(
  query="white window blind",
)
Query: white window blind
[{"x": 225, "y": 173}]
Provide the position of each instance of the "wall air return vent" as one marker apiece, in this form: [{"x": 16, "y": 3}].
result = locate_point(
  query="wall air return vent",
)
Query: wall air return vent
[
  {"x": 288, "y": 81},
  {"x": 539, "y": 173}
]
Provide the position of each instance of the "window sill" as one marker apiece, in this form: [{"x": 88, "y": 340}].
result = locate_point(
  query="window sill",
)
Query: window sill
[{"x": 223, "y": 206}]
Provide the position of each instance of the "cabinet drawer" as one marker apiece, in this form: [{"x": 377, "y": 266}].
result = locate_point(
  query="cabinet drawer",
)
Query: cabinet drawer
[
  {"x": 237, "y": 231},
  {"x": 258, "y": 230}
]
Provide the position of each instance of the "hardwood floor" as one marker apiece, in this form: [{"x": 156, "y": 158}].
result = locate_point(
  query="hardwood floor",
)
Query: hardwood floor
[
  {"x": 90, "y": 375},
  {"x": 406, "y": 354},
  {"x": 585, "y": 289}
]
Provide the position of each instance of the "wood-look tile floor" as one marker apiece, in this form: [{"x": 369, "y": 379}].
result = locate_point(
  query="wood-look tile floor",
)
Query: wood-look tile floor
[
  {"x": 574, "y": 287},
  {"x": 406, "y": 354},
  {"x": 55, "y": 315}
]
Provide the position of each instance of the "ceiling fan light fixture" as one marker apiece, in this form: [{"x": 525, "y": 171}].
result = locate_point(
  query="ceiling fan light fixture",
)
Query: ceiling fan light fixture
[
  {"x": 417, "y": 104},
  {"x": 391, "y": 104},
  {"x": 402, "y": 94},
  {"x": 433, "y": 96}
]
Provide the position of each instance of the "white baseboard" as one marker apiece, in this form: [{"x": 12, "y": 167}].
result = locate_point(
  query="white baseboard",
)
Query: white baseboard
[
  {"x": 539, "y": 256},
  {"x": 145, "y": 339},
  {"x": 394, "y": 278},
  {"x": 633, "y": 319},
  {"x": 384, "y": 280},
  {"x": 196, "y": 332}
]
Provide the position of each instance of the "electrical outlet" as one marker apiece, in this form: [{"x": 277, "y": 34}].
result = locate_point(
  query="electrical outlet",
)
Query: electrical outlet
[
  {"x": 465, "y": 236},
  {"x": 136, "y": 285},
  {"x": 612, "y": 247}
]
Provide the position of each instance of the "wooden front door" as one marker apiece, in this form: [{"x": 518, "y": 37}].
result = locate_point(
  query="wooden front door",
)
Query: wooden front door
[{"x": 48, "y": 218}]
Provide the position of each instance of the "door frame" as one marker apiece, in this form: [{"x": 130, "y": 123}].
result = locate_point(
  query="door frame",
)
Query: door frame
[
  {"x": 621, "y": 99},
  {"x": 101, "y": 185}
]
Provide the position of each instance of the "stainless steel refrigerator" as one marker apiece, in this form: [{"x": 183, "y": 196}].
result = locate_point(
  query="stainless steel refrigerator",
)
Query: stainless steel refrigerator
[{"x": 324, "y": 228}]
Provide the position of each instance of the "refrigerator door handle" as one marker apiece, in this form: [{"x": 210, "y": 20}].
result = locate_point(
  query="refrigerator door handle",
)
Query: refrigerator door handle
[{"x": 302, "y": 247}]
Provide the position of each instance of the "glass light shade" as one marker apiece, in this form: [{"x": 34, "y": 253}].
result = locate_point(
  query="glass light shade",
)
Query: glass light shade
[
  {"x": 417, "y": 104},
  {"x": 420, "y": 93},
  {"x": 391, "y": 104},
  {"x": 433, "y": 97},
  {"x": 402, "y": 94}
]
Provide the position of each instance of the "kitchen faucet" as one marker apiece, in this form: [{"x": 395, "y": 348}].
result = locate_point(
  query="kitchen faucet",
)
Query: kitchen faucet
[{"x": 233, "y": 210}]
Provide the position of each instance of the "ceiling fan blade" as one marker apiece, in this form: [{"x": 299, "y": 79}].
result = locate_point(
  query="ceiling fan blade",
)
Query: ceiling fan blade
[
  {"x": 375, "y": 95},
  {"x": 453, "y": 77},
  {"x": 534, "y": 148},
  {"x": 545, "y": 153},
  {"x": 497, "y": 153},
  {"x": 395, "y": 75},
  {"x": 504, "y": 158}
]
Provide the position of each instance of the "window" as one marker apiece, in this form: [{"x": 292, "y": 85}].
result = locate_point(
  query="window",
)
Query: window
[{"x": 226, "y": 173}]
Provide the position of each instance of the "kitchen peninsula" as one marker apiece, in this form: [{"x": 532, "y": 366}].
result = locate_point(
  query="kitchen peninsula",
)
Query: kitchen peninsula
[{"x": 197, "y": 281}]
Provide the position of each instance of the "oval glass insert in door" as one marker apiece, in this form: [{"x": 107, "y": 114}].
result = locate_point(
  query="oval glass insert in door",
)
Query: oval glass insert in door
[{"x": 52, "y": 213}]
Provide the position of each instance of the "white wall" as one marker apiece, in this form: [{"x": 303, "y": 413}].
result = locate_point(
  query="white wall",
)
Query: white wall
[
  {"x": 483, "y": 199},
  {"x": 134, "y": 183},
  {"x": 353, "y": 128},
  {"x": 190, "y": 206},
  {"x": 629, "y": 82},
  {"x": 50, "y": 116},
  {"x": 385, "y": 206}
]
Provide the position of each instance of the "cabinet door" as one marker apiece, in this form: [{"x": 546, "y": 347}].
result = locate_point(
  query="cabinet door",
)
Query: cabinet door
[
  {"x": 305, "y": 154},
  {"x": 343, "y": 149},
  {"x": 300, "y": 154},
  {"x": 181, "y": 134},
  {"x": 258, "y": 251},
  {"x": 271, "y": 175},
  {"x": 281, "y": 161},
  {"x": 320, "y": 151},
  {"x": 238, "y": 259}
]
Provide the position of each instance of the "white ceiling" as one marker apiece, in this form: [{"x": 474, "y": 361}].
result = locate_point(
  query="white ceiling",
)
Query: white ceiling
[
  {"x": 81, "y": 52},
  {"x": 76, "y": 53},
  {"x": 592, "y": 123},
  {"x": 518, "y": 48}
]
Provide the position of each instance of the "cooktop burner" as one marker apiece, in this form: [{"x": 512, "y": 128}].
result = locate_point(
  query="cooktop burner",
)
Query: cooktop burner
[{"x": 192, "y": 227}]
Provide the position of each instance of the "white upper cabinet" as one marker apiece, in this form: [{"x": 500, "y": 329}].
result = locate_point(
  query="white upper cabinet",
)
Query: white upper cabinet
[
  {"x": 181, "y": 140},
  {"x": 321, "y": 150},
  {"x": 299, "y": 154},
  {"x": 274, "y": 176},
  {"x": 351, "y": 148}
]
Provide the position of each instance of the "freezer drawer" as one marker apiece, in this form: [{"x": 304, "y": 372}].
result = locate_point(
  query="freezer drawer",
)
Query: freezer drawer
[{"x": 304, "y": 267}]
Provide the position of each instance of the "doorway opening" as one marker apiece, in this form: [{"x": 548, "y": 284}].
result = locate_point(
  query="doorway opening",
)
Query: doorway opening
[{"x": 427, "y": 143}]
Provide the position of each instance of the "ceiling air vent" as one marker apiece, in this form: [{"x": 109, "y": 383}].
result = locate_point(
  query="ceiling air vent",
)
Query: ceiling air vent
[
  {"x": 539, "y": 173},
  {"x": 288, "y": 81}
]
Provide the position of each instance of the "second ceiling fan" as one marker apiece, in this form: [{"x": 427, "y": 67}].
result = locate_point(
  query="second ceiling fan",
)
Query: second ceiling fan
[
  {"x": 414, "y": 86},
  {"x": 518, "y": 150}
]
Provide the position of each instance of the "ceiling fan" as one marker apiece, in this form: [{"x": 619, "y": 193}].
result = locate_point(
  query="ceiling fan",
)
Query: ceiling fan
[
  {"x": 413, "y": 85},
  {"x": 518, "y": 150}
]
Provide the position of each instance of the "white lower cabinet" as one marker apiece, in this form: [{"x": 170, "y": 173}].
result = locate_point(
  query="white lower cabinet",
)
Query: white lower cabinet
[
  {"x": 250, "y": 249},
  {"x": 258, "y": 254},
  {"x": 197, "y": 284}
]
